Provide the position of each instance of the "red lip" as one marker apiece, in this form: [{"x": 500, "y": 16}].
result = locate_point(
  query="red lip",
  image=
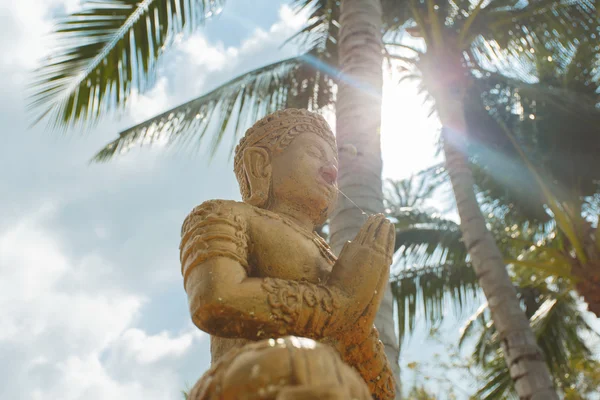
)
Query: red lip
[{"x": 329, "y": 174}]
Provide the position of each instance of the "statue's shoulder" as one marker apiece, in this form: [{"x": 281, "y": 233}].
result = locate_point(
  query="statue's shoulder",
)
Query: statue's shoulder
[
  {"x": 215, "y": 211},
  {"x": 222, "y": 206},
  {"x": 214, "y": 229}
]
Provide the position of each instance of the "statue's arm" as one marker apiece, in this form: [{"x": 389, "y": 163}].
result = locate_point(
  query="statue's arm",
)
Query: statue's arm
[
  {"x": 368, "y": 357},
  {"x": 226, "y": 301}
]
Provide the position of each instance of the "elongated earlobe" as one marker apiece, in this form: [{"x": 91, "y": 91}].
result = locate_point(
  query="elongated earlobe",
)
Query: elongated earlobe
[{"x": 257, "y": 165}]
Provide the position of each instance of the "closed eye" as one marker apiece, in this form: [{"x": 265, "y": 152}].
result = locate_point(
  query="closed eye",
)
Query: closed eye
[{"x": 315, "y": 151}]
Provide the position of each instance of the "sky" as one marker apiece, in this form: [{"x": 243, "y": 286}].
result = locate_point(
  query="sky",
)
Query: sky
[{"x": 90, "y": 285}]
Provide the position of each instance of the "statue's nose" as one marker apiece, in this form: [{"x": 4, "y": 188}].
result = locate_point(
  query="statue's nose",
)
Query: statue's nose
[{"x": 329, "y": 173}]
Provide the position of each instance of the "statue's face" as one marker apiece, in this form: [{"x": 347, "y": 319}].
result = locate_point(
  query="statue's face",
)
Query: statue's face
[{"x": 304, "y": 175}]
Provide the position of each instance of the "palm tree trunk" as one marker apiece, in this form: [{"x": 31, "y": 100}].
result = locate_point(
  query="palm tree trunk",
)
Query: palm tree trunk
[
  {"x": 358, "y": 120},
  {"x": 588, "y": 285},
  {"x": 523, "y": 356}
]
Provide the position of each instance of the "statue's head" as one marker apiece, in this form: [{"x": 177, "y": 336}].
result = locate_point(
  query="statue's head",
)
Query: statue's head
[{"x": 289, "y": 157}]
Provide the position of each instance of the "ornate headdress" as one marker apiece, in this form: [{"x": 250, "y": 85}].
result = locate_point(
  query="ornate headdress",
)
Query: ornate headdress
[{"x": 274, "y": 133}]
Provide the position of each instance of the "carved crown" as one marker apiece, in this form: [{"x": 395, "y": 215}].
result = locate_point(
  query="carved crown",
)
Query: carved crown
[{"x": 275, "y": 132}]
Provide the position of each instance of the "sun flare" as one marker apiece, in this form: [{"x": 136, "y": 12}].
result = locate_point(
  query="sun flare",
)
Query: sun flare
[{"x": 408, "y": 133}]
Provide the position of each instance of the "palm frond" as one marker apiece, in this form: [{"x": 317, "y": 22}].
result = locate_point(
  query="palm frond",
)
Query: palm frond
[
  {"x": 580, "y": 102},
  {"x": 559, "y": 320},
  {"x": 497, "y": 382},
  {"x": 563, "y": 219},
  {"x": 424, "y": 290},
  {"x": 478, "y": 319},
  {"x": 413, "y": 192},
  {"x": 430, "y": 243},
  {"x": 106, "y": 51},
  {"x": 465, "y": 30},
  {"x": 242, "y": 100},
  {"x": 518, "y": 30},
  {"x": 559, "y": 328},
  {"x": 431, "y": 266},
  {"x": 323, "y": 27},
  {"x": 538, "y": 115}
]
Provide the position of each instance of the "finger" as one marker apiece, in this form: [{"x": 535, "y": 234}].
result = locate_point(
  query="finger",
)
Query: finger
[
  {"x": 363, "y": 230},
  {"x": 391, "y": 241},
  {"x": 382, "y": 233},
  {"x": 373, "y": 228},
  {"x": 364, "y": 233},
  {"x": 379, "y": 235},
  {"x": 384, "y": 278}
]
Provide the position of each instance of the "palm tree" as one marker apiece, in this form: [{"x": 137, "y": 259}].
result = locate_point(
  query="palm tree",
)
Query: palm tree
[
  {"x": 435, "y": 267},
  {"x": 113, "y": 47},
  {"x": 92, "y": 74},
  {"x": 550, "y": 132},
  {"x": 542, "y": 247},
  {"x": 556, "y": 123},
  {"x": 358, "y": 121},
  {"x": 431, "y": 258},
  {"x": 455, "y": 37},
  {"x": 561, "y": 332}
]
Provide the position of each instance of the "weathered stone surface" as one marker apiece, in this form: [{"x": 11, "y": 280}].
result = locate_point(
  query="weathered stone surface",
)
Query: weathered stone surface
[{"x": 287, "y": 319}]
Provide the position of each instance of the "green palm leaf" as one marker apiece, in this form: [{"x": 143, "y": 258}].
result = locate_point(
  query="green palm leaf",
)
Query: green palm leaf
[
  {"x": 497, "y": 382},
  {"x": 424, "y": 290},
  {"x": 559, "y": 328},
  {"x": 431, "y": 267},
  {"x": 520, "y": 29},
  {"x": 322, "y": 29},
  {"x": 306, "y": 81},
  {"x": 425, "y": 238},
  {"x": 243, "y": 100},
  {"x": 105, "y": 51}
]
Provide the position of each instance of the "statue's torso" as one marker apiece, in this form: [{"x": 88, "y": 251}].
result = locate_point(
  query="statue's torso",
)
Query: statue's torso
[
  {"x": 278, "y": 248},
  {"x": 281, "y": 249}
]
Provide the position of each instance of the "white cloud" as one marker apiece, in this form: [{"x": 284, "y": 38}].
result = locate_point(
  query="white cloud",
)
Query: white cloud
[
  {"x": 28, "y": 20},
  {"x": 146, "y": 105},
  {"x": 65, "y": 328},
  {"x": 90, "y": 290},
  {"x": 201, "y": 53},
  {"x": 196, "y": 65},
  {"x": 290, "y": 21},
  {"x": 145, "y": 349}
]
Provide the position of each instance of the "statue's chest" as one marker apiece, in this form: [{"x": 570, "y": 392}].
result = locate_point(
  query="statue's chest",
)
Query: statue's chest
[{"x": 279, "y": 250}]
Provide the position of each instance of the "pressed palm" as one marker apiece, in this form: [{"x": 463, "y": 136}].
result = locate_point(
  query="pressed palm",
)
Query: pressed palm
[{"x": 358, "y": 123}]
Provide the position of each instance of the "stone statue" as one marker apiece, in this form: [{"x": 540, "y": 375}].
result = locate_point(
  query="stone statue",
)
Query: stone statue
[{"x": 287, "y": 319}]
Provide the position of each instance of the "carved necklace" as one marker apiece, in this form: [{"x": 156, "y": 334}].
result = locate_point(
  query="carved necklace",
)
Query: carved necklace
[{"x": 321, "y": 244}]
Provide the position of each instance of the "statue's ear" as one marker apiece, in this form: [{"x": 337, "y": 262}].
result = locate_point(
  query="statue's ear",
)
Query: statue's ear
[{"x": 257, "y": 164}]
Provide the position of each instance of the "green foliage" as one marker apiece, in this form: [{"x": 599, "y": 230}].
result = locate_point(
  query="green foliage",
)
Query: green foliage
[
  {"x": 105, "y": 51},
  {"x": 112, "y": 47},
  {"x": 306, "y": 81},
  {"x": 432, "y": 265},
  {"x": 554, "y": 121},
  {"x": 518, "y": 28},
  {"x": 433, "y": 275},
  {"x": 241, "y": 100},
  {"x": 560, "y": 330}
]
